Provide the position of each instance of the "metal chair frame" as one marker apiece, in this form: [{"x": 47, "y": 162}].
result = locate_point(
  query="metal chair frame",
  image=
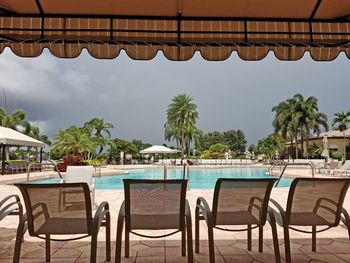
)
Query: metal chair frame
[
  {"x": 203, "y": 212},
  {"x": 101, "y": 218},
  {"x": 125, "y": 216}
]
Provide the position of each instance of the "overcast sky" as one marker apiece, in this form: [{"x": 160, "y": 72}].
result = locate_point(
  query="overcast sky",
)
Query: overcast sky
[{"x": 134, "y": 95}]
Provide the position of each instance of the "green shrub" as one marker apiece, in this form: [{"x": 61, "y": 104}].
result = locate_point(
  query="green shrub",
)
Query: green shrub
[
  {"x": 217, "y": 151},
  {"x": 337, "y": 155},
  {"x": 315, "y": 151},
  {"x": 95, "y": 162},
  {"x": 205, "y": 154}
]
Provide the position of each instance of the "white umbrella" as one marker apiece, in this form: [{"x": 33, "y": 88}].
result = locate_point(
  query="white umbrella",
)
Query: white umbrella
[
  {"x": 325, "y": 152},
  {"x": 157, "y": 149}
]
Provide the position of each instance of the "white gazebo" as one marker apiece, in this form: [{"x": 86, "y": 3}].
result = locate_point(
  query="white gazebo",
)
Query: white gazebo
[
  {"x": 157, "y": 149},
  {"x": 10, "y": 137}
]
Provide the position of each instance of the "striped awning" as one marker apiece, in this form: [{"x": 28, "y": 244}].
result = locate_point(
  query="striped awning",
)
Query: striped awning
[{"x": 177, "y": 28}]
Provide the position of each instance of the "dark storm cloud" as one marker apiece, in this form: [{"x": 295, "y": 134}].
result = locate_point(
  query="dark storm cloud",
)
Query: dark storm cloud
[{"x": 134, "y": 95}]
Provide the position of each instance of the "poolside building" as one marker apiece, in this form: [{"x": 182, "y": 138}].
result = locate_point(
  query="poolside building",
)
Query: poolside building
[{"x": 335, "y": 141}]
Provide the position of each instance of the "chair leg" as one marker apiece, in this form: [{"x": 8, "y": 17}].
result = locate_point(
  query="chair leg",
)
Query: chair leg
[
  {"x": 189, "y": 238},
  {"x": 118, "y": 245},
  {"x": 249, "y": 238},
  {"x": 127, "y": 243},
  {"x": 183, "y": 242},
  {"x": 346, "y": 220},
  {"x": 287, "y": 244},
  {"x": 261, "y": 237},
  {"x": 313, "y": 242},
  {"x": 211, "y": 244},
  {"x": 47, "y": 248},
  {"x": 272, "y": 221},
  {"x": 21, "y": 229},
  {"x": 108, "y": 237},
  {"x": 93, "y": 248},
  {"x": 196, "y": 231}
]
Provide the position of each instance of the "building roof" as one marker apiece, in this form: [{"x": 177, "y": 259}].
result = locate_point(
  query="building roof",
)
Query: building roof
[
  {"x": 11, "y": 137},
  {"x": 334, "y": 133}
]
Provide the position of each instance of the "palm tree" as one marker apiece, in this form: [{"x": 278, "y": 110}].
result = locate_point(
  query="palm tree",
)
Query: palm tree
[
  {"x": 13, "y": 119},
  {"x": 171, "y": 133},
  {"x": 35, "y": 133},
  {"x": 287, "y": 120},
  {"x": 74, "y": 141},
  {"x": 182, "y": 114},
  {"x": 342, "y": 120},
  {"x": 191, "y": 134},
  {"x": 99, "y": 126},
  {"x": 310, "y": 119}
]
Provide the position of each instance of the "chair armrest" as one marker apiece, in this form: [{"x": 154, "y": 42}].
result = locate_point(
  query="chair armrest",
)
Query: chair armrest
[
  {"x": 187, "y": 208},
  {"x": 346, "y": 218},
  {"x": 319, "y": 204},
  {"x": 16, "y": 197},
  {"x": 204, "y": 209},
  {"x": 278, "y": 206},
  {"x": 101, "y": 213},
  {"x": 7, "y": 206},
  {"x": 188, "y": 212},
  {"x": 280, "y": 215},
  {"x": 121, "y": 215}
]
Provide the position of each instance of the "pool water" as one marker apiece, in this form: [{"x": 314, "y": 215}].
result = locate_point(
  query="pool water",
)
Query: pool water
[{"x": 198, "y": 178}]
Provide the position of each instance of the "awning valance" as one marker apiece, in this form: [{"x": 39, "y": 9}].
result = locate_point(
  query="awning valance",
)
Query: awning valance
[{"x": 178, "y": 28}]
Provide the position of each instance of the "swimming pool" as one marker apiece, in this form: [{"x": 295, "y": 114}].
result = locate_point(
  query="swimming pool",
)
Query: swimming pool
[{"x": 198, "y": 178}]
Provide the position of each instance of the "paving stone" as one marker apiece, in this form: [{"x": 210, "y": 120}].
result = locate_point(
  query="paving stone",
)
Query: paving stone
[
  {"x": 327, "y": 258},
  {"x": 238, "y": 258}
]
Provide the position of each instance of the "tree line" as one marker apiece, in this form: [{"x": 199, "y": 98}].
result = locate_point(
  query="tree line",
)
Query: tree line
[{"x": 296, "y": 120}]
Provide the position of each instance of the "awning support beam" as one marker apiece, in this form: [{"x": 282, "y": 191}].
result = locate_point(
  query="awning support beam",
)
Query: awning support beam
[
  {"x": 314, "y": 11},
  {"x": 185, "y": 44},
  {"x": 183, "y": 18},
  {"x": 42, "y": 14}
]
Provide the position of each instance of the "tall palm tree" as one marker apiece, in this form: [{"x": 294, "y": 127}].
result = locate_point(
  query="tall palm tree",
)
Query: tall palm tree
[
  {"x": 171, "y": 133},
  {"x": 191, "y": 134},
  {"x": 35, "y": 133},
  {"x": 342, "y": 121},
  {"x": 311, "y": 119},
  {"x": 181, "y": 113},
  {"x": 287, "y": 120},
  {"x": 13, "y": 119},
  {"x": 98, "y": 126}
]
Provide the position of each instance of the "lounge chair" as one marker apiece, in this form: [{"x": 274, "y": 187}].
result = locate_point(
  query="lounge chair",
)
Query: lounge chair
[
  {"x": 154, "y": 205},
  {"x": 82, "y": 174},
  {"x": 313, "y": 202},
  {"x": 45, "y": 218},
  {"x": 10, "y": 205},
  {"x": 236, "y": 202},
  {"x": 343, "y": 170}
]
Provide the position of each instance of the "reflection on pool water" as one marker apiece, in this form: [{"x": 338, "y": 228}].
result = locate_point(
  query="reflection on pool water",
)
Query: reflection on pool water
[{"x": 198, "y": 178}]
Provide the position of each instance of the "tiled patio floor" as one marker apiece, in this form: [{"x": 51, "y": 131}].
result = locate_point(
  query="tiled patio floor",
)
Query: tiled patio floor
[{"x": 332, "y": 246}]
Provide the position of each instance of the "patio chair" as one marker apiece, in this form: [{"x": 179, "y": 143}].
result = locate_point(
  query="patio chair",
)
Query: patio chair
[
  {"x": 154, "y": 205},
  {"x": 313, "y": 202},
  {"x": 11, "y": 205},
  {"x": 82, "y": 174},
  {"x": 237, "y": 202},
  {"x": 44, "y": 217},
  {"x": 343, "y": 170}
]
